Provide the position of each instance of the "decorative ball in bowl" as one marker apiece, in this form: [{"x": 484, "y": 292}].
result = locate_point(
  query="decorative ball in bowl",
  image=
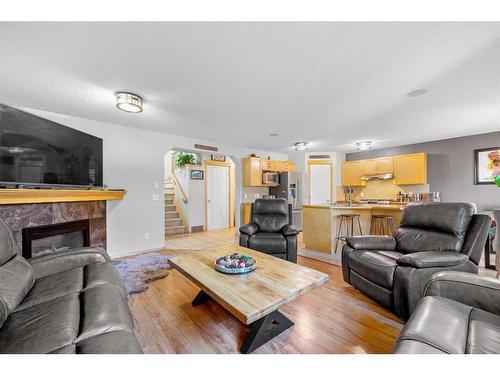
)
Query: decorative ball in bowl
[{"x": 235, "y": 264}]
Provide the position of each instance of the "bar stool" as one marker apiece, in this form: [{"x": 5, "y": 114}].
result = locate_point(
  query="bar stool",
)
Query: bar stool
[
  {"x": 346, "y": 219},
  {"x": 385, "y": 224}
]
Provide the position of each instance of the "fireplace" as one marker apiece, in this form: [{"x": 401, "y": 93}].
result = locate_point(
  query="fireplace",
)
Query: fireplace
[{"x": 45, "y": 239}]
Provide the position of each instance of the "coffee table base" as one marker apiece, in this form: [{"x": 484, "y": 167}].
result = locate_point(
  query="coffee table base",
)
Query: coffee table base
[{"x": 261, "y": 331}]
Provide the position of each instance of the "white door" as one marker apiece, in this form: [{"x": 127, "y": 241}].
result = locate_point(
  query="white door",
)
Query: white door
[
  {"x": 320, "y": 183},
  {"x": 217, "y": 197}
]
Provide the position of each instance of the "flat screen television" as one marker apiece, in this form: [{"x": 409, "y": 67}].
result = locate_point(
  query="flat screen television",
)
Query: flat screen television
[{"x": 35, "y": 151}]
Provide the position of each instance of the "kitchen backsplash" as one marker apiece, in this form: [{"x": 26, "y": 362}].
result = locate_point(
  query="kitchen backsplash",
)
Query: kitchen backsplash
[
  {"x": 250, "y": 194},
  {"x": 381, "y": 189}
]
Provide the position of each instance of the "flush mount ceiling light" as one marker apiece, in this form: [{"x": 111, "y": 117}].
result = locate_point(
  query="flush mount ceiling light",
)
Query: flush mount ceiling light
[
  {"x": 415, "y": 93},
  {"x": 300, "y": 146},
  {"x": 363, "y": 145},
  {"x": 128, "y": 102}
]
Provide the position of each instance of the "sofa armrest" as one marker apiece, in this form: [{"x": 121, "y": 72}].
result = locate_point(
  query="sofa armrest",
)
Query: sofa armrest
[
  {"x": 67, "y": 259},
  {"x": 431, "y": 259},
  {"x": 290, "y": 230},
  {"x": 249, "y": 229},
  {"x": 470, "y": 289},
  {"x": 371, "y": 242}
]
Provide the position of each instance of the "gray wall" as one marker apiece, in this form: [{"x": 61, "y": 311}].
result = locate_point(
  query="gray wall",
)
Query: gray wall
[{"x": 450, "y": 167}]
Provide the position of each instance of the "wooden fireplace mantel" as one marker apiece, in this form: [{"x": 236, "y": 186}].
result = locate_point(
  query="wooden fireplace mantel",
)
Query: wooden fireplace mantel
[{"x": 25, "y": 196}]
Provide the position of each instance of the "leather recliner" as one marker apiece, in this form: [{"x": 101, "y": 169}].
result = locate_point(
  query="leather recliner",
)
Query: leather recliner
[
  {"x": 432, "y": 237},
  {"x": 70, "y": 301},
  {"x": 270, "y": 229},
  {"x": 459, "y": 314}
]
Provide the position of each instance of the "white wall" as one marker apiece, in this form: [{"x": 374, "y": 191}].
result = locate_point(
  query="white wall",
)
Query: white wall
[
  {"x": 134, "y": 159},
  {"x": 301, "y": 158}
]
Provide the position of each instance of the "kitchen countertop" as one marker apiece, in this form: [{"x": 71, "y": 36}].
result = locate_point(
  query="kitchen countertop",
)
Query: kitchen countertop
[{"x": 388, "y": 207}]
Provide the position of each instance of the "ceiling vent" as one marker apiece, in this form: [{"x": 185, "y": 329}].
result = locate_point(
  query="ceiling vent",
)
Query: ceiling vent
[{"x": 319, "y": 156}]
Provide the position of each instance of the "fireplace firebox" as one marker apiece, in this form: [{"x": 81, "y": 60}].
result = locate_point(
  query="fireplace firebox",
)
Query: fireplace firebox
[{"x": 49, "y": 238}]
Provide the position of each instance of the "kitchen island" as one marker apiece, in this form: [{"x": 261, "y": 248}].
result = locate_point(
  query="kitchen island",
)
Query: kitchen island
[{"x": 321, "y": 222}]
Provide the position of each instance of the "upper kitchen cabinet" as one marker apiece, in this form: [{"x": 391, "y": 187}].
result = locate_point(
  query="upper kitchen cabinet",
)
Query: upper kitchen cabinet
[
  {"x": 410, "y": 169},
  {"x": 369, "y": 167},
  {"x": 252, "y": 171},
  {"x": 352, "y": 171},
  {"x": 378, "y": 166},
  {"x": 291, "y": 166},
  {"x": 385, "y": 165},
  {"x": 268, "y": 165}
]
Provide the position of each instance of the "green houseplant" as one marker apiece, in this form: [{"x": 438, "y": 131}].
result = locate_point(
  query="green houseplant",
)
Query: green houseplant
[{"x": 184, "y": 158}]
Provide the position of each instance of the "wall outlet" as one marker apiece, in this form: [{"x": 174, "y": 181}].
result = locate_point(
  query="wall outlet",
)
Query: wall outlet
[
  {"x": 156, "y": 197},
  {"x": 146, "y": 236},
  {"x": 257, "y": 195},
  {"x": 246, "y": 196}
]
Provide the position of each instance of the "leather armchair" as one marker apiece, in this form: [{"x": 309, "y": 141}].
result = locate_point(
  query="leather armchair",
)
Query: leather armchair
[
  {"x": 270, "y": 229},
  {"x": 465, "y": 306},
  {"x": 432, "y": 237},
  {"x": 68, "y": 302}
]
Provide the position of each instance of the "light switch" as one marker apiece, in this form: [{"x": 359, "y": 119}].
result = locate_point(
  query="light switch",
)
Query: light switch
[
  {"x": 156, "y": 197},
  {"x": 157, "y": 185}
]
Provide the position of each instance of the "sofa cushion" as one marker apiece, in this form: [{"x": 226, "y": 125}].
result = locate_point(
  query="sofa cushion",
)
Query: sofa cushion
[
  {"x": 4, "y": 311},
  {"x": 54, "y": 286},
  {"x": 42, "y": 328},
  {"x": 433, "y": 226},
  {"x": 484, "y": 333},
  {"x": 8, "y": 246},
  {"x": 72, "y": 281},
  {"x": 16, "y": 280},
  {"x": 104, "y": 309},
  {"x": 269, "y": 243},
  {"x": 438, "y": 322},
  {"x": 376, "y": 266}
]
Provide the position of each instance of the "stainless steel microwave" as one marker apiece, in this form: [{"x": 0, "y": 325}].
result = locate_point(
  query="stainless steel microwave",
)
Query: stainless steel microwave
[{"x": 270, "y": 178}]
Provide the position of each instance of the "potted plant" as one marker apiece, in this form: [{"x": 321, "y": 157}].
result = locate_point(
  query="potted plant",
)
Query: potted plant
[{"x": 184, "y": 158}]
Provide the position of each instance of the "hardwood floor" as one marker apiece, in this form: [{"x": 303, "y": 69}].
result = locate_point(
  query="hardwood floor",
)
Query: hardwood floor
[{"x": 334, "y": 318}]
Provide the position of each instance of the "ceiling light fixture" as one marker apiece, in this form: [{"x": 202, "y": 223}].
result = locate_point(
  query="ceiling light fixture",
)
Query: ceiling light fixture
[
  {"x": 128, "y": 102},
  {"x": 415, "y": 93},
  {"x": 301, "y": 146},
  {"x": 363, "y": 145}
]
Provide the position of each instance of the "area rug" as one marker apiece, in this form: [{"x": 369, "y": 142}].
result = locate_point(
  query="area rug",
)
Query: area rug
[{"x": 139, "y": 270}]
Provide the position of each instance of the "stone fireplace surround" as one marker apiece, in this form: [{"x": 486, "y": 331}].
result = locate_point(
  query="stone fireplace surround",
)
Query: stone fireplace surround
[{"x": 19, "y": 216}]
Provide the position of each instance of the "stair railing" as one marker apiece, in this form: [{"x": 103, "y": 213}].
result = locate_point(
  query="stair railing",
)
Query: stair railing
[{"x": 176, "y": 182}]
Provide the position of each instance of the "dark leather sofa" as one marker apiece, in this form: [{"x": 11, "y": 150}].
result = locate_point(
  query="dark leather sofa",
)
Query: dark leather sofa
[
  {"x": 432, "y": 237},
  {"x": 67, "y": 302},
  {"x": 270, "y": 229},
  {"x": 459, "y": 314}
]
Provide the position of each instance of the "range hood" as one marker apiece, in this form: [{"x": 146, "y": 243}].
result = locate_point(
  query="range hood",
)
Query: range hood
[{"x": 383, "y": 176}]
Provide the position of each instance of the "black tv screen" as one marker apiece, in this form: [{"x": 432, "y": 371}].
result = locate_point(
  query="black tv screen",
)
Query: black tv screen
[{"x": 38, "y": 151}]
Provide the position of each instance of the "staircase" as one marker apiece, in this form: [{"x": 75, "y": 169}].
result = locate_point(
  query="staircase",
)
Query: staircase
[{"x": 173, "y": 221}]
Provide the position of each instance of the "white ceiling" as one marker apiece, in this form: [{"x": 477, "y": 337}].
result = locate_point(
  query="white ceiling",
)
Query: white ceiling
[{"x": 328, "y": 83}]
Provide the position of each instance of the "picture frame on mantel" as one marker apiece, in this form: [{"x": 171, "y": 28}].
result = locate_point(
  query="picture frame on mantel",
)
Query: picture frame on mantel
[{"x": 486, "y": 165}]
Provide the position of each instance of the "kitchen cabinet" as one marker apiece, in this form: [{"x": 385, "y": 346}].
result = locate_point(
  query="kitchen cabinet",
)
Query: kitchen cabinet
[
  {"x": 410, "y": 169},
  {"x": 252, "y": 172},
  {"x": 245, "y": 217},
  {"x": 378, "y": 166},
  {"x": 253, "y": 168},
  {"x": 385, "y": 165},
  {"x": 369, "y": 167},
  {"x": 352, "y": 172}
]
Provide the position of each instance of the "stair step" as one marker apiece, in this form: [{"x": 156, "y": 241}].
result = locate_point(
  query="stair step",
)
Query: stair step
[
  {"x": 175, "y": 230},
  {"x": 170, "y": 207},
  {"x": 169, "y": 202},
  {"x": 169, "y": 223},
  {"x": 172, "y": 215}
]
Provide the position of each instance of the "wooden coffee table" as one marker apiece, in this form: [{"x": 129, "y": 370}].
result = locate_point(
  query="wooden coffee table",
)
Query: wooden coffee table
[{"x": 253, "y": 298}]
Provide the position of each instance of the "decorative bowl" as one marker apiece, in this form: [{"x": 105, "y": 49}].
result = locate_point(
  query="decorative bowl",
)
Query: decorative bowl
[{"x": 235, "y": 264}]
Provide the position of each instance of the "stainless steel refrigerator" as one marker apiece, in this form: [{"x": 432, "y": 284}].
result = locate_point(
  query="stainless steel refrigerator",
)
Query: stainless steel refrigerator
[{"x": 291, "y": 187}]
